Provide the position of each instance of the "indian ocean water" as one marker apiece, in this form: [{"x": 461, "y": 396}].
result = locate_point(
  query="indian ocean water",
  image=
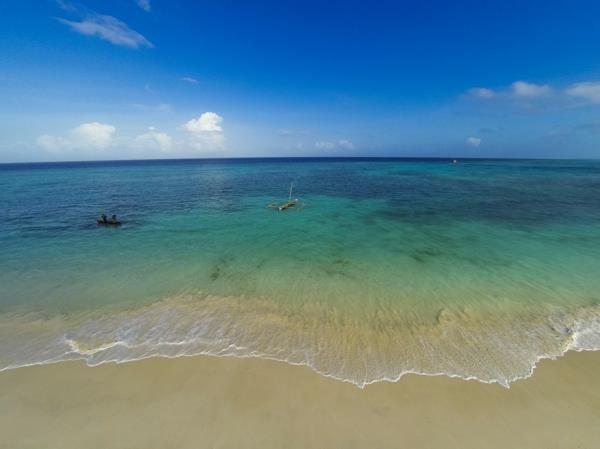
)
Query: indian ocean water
[{"x": 385, "y": 266}]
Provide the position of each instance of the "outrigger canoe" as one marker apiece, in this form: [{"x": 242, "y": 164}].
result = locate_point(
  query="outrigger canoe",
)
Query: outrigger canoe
[
  {"x": 290, "y": 203},
  {"x": 287, "y": 205}
]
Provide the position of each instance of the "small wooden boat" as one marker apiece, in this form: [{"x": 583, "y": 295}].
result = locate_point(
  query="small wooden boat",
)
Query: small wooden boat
[
  {"x": 108, "y": 223},
  {"x": 287, "y": 205},
  {"x": 290, "y": 203}
]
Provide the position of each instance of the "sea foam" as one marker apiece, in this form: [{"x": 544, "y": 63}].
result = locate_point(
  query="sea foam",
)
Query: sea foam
[{"x": 489, "y": 346}]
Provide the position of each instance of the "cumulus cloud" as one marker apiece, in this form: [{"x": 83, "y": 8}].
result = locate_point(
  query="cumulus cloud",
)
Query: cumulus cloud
[
  {"x": 205, "y": 132},
  {"x": 108, "y": 28},
  {"x": 589, "y": 91},
  {"x": 326, "y": 145},
  {"x": 86, "y": 137},
  {"x": 93, "y": 135},
  {"x": 481, "y": 92},
  {"x": 525, "y": 89},
  {"x": 144, "y": 4},
  {"x": 473, "y": 141},
  {"x": 189, "y": 79},
  {"x": 153, "y": 140},
  {"x": 207, "y": 122}
]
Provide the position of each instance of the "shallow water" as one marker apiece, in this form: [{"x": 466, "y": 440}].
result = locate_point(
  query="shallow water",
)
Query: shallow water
[{"x": 386, "y": 266}]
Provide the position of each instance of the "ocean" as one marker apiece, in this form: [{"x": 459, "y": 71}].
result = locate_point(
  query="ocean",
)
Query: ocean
[{"x": 384, "y": 267}]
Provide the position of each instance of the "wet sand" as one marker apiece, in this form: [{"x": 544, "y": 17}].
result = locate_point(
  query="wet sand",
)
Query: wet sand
[{"x": 209, "y": 402}]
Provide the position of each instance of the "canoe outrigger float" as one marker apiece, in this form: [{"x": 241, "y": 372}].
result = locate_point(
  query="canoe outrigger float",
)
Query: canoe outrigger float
[{"x": 290, "y": 203}]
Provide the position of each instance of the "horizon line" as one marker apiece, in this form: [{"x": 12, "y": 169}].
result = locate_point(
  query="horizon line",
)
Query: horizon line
[{"x": 266, "y": 158}]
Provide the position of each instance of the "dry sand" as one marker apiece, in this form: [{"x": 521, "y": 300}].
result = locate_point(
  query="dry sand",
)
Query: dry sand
[{"x": 208, "y": 402}]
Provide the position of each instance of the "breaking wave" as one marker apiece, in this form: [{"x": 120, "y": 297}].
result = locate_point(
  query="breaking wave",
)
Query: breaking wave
[{"x": 380, "y": 343}]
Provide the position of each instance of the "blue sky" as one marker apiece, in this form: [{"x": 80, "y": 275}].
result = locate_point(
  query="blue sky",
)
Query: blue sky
[{"x": 154, "y": 78}]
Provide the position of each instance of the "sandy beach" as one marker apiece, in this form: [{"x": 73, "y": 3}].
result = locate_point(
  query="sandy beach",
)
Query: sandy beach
[{"x": 209, "y": 402}]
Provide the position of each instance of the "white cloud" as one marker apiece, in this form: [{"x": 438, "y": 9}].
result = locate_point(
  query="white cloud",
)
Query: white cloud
[
  {"x": 153, "y": 140},
  {"x": 207, "y": 122},
  {"x": 589, "y": 91},
  {"x": 343, "y": 144},
  {"x": 325, "y": 145},
  {"x": 473, "y": 141},
  {"x": 346, "y": 144},
  {"x": 109, "y": 29},
  {"x": 523, "y": 93},
  {"x": 97, "y": 136},
  {"x": 520, "y": 89},
  {"x": 189, "y": 79},
  {"x": 65, "y": 6},
  {"x": 205, "y": 132},
  {"x": 207, "y": 142},
  {"x": 481, "y": 92},
  {"x": 85, "y": 137},
  {"x": 525, "y": 89},
  {"x": 144, "y": 4},
  {"x": 52, "y": 143}
]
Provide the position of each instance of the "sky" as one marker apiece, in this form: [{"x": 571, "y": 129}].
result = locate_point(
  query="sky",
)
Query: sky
[{"x": 141, "y": 79}]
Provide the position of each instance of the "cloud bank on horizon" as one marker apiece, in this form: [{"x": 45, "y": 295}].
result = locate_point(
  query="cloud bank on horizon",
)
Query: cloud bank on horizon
[
  {"x": 119, "y": 80},
  {"x": 202, "y": 135},
  {"x": 587, "y": 92}
]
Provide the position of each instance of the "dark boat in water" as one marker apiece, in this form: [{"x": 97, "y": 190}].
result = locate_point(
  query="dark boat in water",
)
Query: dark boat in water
[
  {"x": 104, "y": 221},
  {"x": 108, "y": 223}
]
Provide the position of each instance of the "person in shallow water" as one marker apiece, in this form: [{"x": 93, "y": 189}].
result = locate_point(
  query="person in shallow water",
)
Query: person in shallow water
[
  {"x": 113, "y": 219},
  {"x": 103, "y": 218}
]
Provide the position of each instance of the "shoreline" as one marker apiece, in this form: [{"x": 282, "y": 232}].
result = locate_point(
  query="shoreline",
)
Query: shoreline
[
  {"x": 230, "y": 402},
  {"x": 362, "y": 386},
  {"x": 478, "y": 353}
]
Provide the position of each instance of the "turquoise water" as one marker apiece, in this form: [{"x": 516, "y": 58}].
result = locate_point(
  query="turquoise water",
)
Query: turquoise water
[{"x": 385, "y": 267}]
